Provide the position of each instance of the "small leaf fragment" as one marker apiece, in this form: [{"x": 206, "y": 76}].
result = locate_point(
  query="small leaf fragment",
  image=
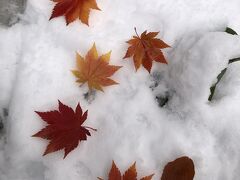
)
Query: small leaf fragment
[
  {"x": 213, "y": 87},
  {"x": 230, "y": 31},
  {"x": 147, "y": 177}
]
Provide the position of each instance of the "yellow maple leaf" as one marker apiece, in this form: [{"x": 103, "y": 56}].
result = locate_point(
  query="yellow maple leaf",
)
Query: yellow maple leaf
[{"x": 95, "y": 70}]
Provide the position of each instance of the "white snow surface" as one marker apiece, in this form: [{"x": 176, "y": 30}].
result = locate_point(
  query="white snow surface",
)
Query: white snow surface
[{"x": 36, "y": 56}]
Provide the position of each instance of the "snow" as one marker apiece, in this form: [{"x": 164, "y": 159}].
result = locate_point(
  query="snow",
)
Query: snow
[
  {"x": 36, "y": 59},
  {"x": 10, "y": 10}
]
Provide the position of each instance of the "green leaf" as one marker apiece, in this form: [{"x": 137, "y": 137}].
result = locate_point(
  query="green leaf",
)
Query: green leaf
[
  {"x": 213, "y": 87},
  {"x": 219, "y": 77},
  {"x": 233, "y": 60},
  {"x": 230, "y": 31}
]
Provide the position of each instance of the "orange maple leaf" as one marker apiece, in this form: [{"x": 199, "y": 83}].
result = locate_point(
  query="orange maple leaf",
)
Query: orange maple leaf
[
  {"x": 95, "y": 70},
  {"x": 73, "y": 9},
  {"x": 130, "y": 174},
  {"x": 64, "y": 129},
  {"x": 145, "y": 49},
  {"x": 179, "y": 169}
]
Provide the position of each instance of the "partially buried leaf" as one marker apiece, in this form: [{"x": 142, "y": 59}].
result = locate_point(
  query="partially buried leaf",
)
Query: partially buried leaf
[
  {"x": 230, "y": 31},
  {"x": 130, "y": 174},
  {"x": 145, "y": 49},
  {"x": 64, "y": 129},
  {"x": 95, "y": 70},
  {"x": 179, "y": 169},
  {"x": 74, "y": 9},
  {"x": 220, "y": 76}
]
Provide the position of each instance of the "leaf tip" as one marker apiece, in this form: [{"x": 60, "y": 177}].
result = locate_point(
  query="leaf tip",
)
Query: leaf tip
[
  {"x": 65, "y": 155},
  {"x": 34, "y": 135},
  {"x": 37, "y": 112},
  {"x": 134, "y": 164},
  {"x": 45, "y": 153}
]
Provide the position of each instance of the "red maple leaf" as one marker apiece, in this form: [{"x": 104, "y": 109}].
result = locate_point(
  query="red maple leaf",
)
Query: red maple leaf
[{"x": 64, "y": 129}]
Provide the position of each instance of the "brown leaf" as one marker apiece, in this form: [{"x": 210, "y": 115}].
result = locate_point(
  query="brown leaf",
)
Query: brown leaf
[
  {"x": 95, "y": 70},
  {"x": 147, "y": 177},
  {"x": 145, "y": 49},
  {"x": 130, "y": 174},
  {"x": 64, "y": 129},
  {"x": 74, "y": 9},
  {"x": 114, "y": 173},
  {"x": 180, "y": 169}
]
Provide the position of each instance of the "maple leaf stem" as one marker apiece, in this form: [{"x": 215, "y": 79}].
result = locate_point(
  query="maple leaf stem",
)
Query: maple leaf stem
[
  {"x": 142, "y": 42},
  {"x": 81, "y": 85},
  {"x": 135, "y": 29},
  {"x": 90, "y": 128}
]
